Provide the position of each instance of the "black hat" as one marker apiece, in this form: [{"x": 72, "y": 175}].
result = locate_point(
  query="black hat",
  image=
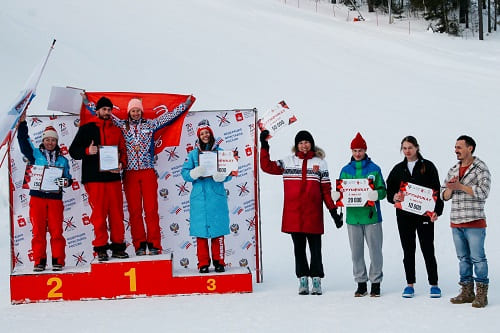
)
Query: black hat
[
  {"x": 102, "y": 102},
  {"x": 304, "y": 136}
]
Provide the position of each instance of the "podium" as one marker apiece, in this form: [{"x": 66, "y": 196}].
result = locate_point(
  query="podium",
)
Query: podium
[{"x": 146, "y": 276}]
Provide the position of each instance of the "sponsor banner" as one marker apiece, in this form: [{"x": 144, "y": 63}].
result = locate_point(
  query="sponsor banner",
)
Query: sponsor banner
[
  {"x": 418, "y": 199},
  {"x": 234, "y": 129},
  {"x": 354, "y": 192}
]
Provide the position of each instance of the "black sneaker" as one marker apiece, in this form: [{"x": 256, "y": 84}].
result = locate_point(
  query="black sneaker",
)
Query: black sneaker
[
  {"x": 141, "y": 251},
  {"x": 375, "y": 292},
  {"x": 38, "y": 268},
  {"x": 102, "y": 255},
  {"x": 57, "y": 267},
  {"x": 153, "y": 251},
  {"x": 362, "y": 290},
  {"x": 204, "y": 269},
  {"x": 219, "y": 268},
  {"x": 119, "y": 254}
]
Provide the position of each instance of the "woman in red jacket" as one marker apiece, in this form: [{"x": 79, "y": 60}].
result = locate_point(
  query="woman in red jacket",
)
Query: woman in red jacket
[{"x": 306, "y": 186}]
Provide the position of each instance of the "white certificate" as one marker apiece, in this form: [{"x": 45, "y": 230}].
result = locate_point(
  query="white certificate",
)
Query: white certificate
[
  {"x": 277, "y": 118},
  {"x": 208, "y": 159},
  {"x": 227, "y": 162},
  {"x": 354, "y": 192},
  {"x": 50, "y": 174},
  {"x": 417, "y": 199},
  {"x": 108, "y": 158}
]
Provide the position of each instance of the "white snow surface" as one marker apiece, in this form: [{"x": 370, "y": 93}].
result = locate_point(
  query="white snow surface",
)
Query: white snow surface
[{"x": 339, "y": 77}]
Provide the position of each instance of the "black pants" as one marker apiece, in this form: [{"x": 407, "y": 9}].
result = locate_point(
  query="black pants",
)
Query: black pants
[
  {"x": 425, "y": 230},
  {"x": 302, "y": 267}
]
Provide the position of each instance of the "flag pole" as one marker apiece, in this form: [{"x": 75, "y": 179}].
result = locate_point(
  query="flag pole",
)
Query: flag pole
[{"x": 8, "y": 139}]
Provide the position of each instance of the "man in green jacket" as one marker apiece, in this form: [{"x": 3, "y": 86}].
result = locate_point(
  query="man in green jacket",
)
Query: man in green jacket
[{"x": 364, "y": 223}]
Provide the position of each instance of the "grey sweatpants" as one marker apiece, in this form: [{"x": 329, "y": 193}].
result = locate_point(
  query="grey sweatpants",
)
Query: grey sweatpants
[{"x": 374, "y": 237}]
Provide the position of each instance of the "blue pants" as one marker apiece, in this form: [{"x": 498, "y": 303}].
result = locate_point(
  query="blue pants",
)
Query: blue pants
[{"x": 469, "y": 244}]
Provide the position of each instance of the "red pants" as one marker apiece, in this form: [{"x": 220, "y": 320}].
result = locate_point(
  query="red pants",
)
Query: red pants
[
  {"x": 141, "y": 188},
  {"x": 47, "y": 213},
  {"x": 218, "y": 250},
  {"x": 106, "y": 200}
]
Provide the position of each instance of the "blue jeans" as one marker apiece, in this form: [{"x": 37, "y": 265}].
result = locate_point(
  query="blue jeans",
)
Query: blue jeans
[{"x": 469, "y": 245}]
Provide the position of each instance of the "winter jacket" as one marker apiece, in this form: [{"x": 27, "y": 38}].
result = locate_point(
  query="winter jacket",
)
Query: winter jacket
[
  {"x": 361, "y": 170},
  {"x": 306, "y": 184},
  {"x": 424, "y": 174},
  {"x": 37, "y": 156},
  {"x": 102, "y": 132},
  {"x": 140, "y": 133},
  {"x": 465, "y": 207},
  {"x": 208, "y": 212}
]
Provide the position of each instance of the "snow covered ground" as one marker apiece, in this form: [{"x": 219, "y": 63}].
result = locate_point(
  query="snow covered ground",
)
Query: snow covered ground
[{"x": 339, "y": 76}]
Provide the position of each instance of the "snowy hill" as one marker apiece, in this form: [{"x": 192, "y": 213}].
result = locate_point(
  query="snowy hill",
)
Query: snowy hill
[{"x": 338, "y": 76}]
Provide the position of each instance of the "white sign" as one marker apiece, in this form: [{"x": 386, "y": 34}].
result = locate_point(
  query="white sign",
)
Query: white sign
[
  {"x": 417, "y": 199},
  {"x": 65, "y": 99},
  {"x": 227, "y": 162},
  {"x": 108, "y": 158},
  {"x": 50, "y": 174},
  {"x": 354, "y": 192},
  {"x": 279, "y": 117}
]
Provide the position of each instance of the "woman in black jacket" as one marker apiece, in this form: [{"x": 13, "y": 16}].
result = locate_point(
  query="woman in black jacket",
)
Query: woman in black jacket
[{"x": 419, "y": 171}]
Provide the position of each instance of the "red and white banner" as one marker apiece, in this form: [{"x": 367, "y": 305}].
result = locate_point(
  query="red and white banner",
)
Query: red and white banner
[
  {"x": 276, "y": 119},
  {"x": 234, "y": 129},
  {"x": 354, "y": 192},
  {"x": 418, "y": 199},
  {"x": 154, "y": 104}
]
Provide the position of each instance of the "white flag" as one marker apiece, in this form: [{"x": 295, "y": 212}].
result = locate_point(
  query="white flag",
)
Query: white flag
[{"x": 9, "y": 119}]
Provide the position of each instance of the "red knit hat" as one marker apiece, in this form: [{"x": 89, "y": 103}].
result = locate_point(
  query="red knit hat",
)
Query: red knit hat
[
  {"x": 204, "y": 124},
  {"x": 50, "y": 132},
  {"x": 358, "y": 142}
]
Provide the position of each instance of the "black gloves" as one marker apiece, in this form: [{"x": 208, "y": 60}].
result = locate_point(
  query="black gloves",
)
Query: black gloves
[
  {"x": 336, "y": 217},
  {"x": 263, "y": 139}
]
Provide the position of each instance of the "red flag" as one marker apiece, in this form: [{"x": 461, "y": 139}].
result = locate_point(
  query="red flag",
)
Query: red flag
[{"x": 154, "y": 104}]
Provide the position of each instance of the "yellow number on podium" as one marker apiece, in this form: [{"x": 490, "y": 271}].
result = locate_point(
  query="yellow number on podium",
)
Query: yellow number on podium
[
  {"x": 211, "y": 284},
  {"x": 133, "y": 281},
  {"x": 58, "y": 284}
]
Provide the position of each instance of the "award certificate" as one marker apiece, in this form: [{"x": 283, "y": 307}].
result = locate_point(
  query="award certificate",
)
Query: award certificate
[
  {"x": 50, "y": 174},
  {"x": 418, "y": 199},
  {"x": 208, "y": 159},
  {"x": 108, "y": 158}
]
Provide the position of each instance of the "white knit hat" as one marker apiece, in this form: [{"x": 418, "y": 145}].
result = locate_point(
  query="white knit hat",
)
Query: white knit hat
[{"x": 50, "y": 132}]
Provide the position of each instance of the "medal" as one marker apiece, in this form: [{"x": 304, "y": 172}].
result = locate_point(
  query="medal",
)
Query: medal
[{"x": 137, "y": 147}]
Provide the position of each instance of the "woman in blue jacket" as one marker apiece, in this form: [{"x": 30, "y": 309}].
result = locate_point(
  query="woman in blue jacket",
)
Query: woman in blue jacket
[{"x": 209, "y": 213}]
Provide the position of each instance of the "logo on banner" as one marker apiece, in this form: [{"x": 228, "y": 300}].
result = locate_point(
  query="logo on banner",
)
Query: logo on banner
[
  {"x": 246, "y": 245},
  {"x": 175, "y": 210},
  {"x": 160, "y": 109},
  {"x": 35, "y": 122},
  {"x": 64, "y": 150},
  {"x": 190, "y": 129},
  {"x": 85, "y": 219},
  {"x": 189, "y": 147},
  {"x": 184, "y": 262},
  {"x": 234, "y": 228},
  {"x": 21, "y": 221},
  {"x": 69, "y": 225},
  {"x": 79, "y": 259},
  {"x": 172, "y": 155},
  {"x": 63, "y": 129},
  {"x": 163, "y": 193},
  {"x": 182, "y": 189},
  {"x": 23, "y": 200},
  {"x": 238, "y": 116},
  {"x": 186, "y": 245},
  {"x": 251, "y": 223},
  {"x": 237, "y": 210},
  {"x": 174, "y": 227},
  {"x": 248, "y": 150},
  {"x": 17, "y": 260},
  {"x": 242, "y": 189},
  {"x": 31, "y": 256},
  {"x": 243, "y": 262},
  {"x": 222, "y": 119}
]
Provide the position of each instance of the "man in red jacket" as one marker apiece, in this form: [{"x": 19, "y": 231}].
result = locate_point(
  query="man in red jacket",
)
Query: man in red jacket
[{"x": 104, "y": 188}]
